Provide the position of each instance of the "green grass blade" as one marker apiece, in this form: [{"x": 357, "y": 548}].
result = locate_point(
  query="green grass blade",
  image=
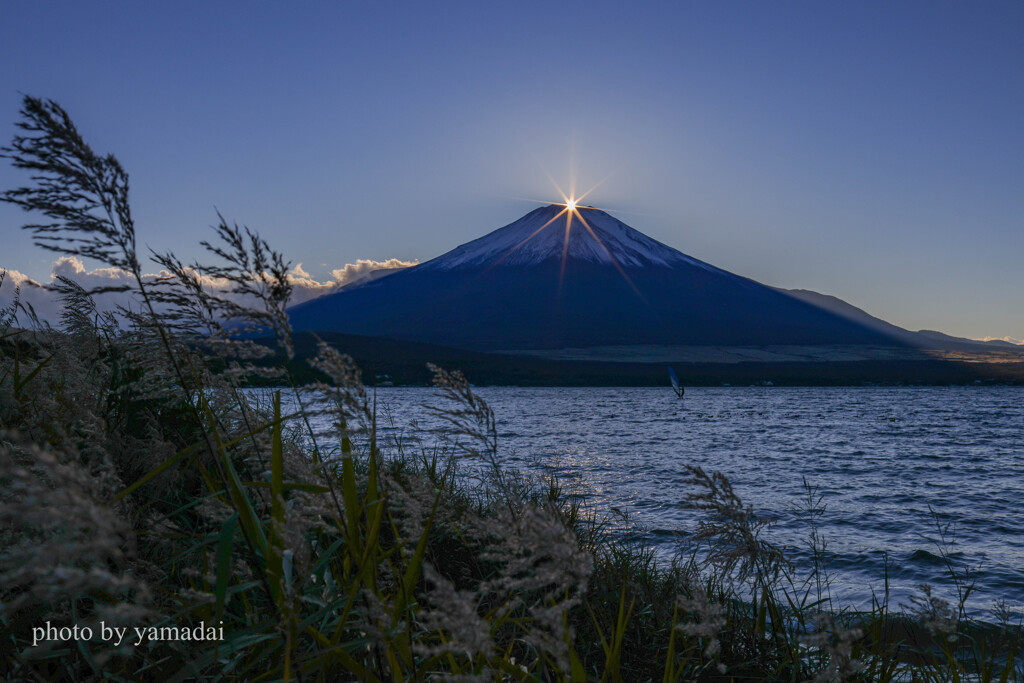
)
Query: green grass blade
[
  {"x": 275, "y": 570},
  {"x": 225, "y": 544},
  {"x": 156, "y": 471}
]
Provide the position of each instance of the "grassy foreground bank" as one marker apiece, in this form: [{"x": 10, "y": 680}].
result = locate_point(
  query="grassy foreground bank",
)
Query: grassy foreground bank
[{"x": 158, "y": 524}]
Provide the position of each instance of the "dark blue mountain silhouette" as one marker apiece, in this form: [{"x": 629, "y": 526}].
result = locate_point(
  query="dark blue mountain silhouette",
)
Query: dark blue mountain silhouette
[{"x": 534, "y": 284}]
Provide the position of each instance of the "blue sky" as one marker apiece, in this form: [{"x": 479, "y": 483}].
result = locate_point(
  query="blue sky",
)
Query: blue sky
[{"x": 873, "y": 151}]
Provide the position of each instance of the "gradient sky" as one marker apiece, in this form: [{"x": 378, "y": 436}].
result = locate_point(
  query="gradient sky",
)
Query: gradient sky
[{"x": 873, "y": 151}]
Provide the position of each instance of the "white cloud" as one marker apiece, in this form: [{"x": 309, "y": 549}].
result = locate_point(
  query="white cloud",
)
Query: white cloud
[
  {"x": 304, "y": 287},
  {"x": 47, "y": 304},
  {"x": 1012, "y": 340},
  {"x": 365, "y": 268}
]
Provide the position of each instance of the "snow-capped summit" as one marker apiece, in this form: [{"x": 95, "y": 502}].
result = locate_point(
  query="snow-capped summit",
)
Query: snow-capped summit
[
  {"x": 532, "y": 286},
  {"x": 586, "y": 234}
]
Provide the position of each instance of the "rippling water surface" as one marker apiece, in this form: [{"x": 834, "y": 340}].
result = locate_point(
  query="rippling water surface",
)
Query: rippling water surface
[{"x": 881, "y": 456}]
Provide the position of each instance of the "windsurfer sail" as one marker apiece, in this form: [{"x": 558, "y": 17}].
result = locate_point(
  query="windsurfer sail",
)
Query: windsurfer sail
[{"x": 675, "y": 382}]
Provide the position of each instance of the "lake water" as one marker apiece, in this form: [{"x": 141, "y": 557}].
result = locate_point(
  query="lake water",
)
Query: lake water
[{"x": 882, "y": 457}]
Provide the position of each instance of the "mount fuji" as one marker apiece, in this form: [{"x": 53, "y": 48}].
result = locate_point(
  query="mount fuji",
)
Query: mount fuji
[{"x": 557, "y": 279}]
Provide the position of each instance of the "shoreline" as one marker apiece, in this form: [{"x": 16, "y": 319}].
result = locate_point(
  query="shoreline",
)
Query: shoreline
[{"x": 405, "y": 363}]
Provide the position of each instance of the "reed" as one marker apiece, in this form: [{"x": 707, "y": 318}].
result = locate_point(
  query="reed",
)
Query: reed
[{"x": 199, "y": 532}]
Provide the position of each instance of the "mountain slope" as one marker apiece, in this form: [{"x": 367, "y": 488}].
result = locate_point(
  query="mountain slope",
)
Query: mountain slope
[
  {"x": 922, "y": 339},
  {"x": 541, "y": 235},
  {"x": 530, "y": 286}
]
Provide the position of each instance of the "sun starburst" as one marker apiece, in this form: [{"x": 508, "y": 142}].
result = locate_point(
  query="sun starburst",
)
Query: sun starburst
[{"x": 572, "y": 205}]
